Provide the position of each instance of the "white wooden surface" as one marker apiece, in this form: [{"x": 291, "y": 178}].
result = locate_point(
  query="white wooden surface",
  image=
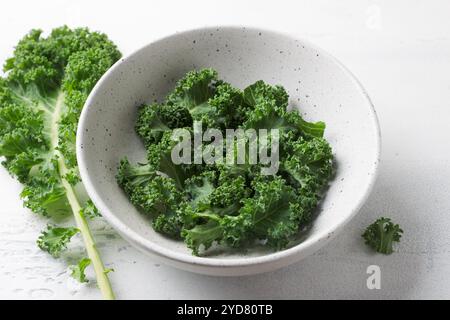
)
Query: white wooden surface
[{"x": 400, "y": 50}]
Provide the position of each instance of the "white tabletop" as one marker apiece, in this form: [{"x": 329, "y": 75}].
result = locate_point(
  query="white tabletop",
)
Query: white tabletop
[{"x": 400, "y": 50}]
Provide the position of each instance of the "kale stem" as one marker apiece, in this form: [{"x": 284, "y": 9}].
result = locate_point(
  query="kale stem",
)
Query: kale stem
[{"x": 100, "y": 271}]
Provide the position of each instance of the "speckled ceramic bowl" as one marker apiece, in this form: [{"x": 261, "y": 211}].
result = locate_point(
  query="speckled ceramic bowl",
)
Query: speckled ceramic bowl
[{"x": 318, "y": 84}]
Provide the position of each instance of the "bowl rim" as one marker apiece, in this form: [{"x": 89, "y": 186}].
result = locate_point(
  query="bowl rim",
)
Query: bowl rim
[{"x": 309, "y": 245}]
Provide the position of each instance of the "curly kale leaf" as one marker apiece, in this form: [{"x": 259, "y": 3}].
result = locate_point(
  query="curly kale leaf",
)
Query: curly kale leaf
[
  {"x": 309, "y": 164},
  {"x": 272, "y": 214},
  {"x": 54, "y": 240},
  {"x": 160, "y": 158},
  {"x": 155, "y": 119},
  {"x": 270, "y": 111},
  {"x": 382, "y": 234},
  {"x": 200, "y": 187},
  {"x": 194, "y": 90},
  {"x": 46, "y": 83},
  {"x": 227, "y": 108},
  {"x": 154, "y": 194},
  {"x": 78, "y": 270},
  {"x": 90, "y": 210}
]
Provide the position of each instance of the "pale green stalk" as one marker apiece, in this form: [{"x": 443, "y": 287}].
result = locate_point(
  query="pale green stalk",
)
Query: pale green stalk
[{"x": 93, "y": 254}]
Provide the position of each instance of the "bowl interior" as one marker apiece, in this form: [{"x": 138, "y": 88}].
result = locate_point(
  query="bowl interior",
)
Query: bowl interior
[{"x": 317, "y": 84}]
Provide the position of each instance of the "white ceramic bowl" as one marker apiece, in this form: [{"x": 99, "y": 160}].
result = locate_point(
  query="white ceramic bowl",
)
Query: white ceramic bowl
[{"x": 317, "y": 83}]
